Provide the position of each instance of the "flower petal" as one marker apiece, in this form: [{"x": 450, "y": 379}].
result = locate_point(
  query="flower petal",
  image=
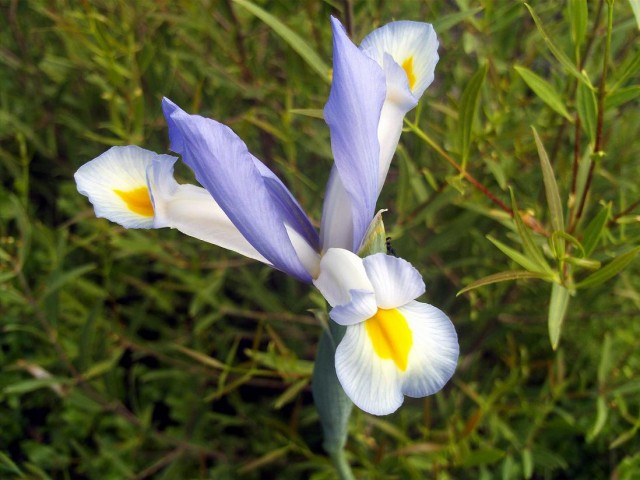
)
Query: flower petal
[
  {"x": 255, "y": 204},
  {"x": 395, "y": 281},
  {"x": 341, "y": 271},
  {"x": 116, "y": 184},
  {"x": 407, "y": 52},
  {"x": 336, "y": 228},
  {"x": 373, "y": 384},
  {"x": 413, "y": 46},
  {"x": 434, "y": 354},
  {"x": 352, "y": 113},
  {"x": 362, "y": 306},
  {"x": 193, "y": 211},
  {"x": 375, "y": 373}
]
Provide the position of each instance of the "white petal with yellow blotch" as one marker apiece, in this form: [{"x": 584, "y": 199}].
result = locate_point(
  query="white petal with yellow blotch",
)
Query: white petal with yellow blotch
[
  {"x": 393, "y": 345},
  {"x": 135, "y": 188},
  {"x": 408, "y": 54}
]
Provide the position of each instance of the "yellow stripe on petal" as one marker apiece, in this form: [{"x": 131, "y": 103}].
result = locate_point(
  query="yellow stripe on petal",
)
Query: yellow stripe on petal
[
  {"x": 137, "y": 200},
  {"x": 408, "y": 68},
  {"x": 391, "y": 336}
]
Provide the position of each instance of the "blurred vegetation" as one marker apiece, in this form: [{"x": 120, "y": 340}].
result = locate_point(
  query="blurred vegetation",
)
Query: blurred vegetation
[{"x": 146, "y": 354}]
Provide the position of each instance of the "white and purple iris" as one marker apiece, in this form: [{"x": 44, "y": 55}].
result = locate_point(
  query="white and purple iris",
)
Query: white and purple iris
[{"x": 394, "y": 345}]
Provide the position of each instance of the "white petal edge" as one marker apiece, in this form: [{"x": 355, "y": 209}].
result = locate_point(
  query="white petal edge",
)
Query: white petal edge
[
  {"x": 373, "y": 384},
  {"x": 434, "y": 354},
  {"x": 340, "y": 272},
  {"x": 336, "y": 228},
  {"x": 395, "y": 281},
  {"x": 361, "y": 307},
  {"x": 119, "y": 168}
]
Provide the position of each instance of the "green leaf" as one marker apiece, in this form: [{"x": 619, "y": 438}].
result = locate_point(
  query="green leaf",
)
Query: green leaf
[
  {"x": 578, "y": 13},
  {"x": 468, "y": 109},
  {"x": 555, "y": 50},
  {"x": 8, "y": 464},
  {"x": 635, "y": 6},
  {"x": 602, "y": 412},
  {"x": 334, "y": 407},
  {"x": 445, "y": 22},
  {"x": 545, "y": 91},
  {"x": 621, "y": 96},
  {"x": 295, "y": 41},
  {"x": 375, "y": 240},
  {"x": 609, "y": 270},
  {"x": 593, "y": 231},
  {"x": 308, "y": 112},
  {"x": 557, "y": 311},
  {"x": 629, "y": 68},
  {"x": 531, "y": 250},
  {"x": 550, "y": 186},
  {"x": 516, "y": 256},
  {"x": 587, "y": 110},
  {"x": 503, "y": 277}
]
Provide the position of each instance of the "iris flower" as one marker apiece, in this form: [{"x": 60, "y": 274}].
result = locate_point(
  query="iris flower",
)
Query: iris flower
[{"x": 244, "y": 207}]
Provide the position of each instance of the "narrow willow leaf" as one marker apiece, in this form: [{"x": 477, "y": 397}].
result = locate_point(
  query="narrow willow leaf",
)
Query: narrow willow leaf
[
  {"x": 531, "y": 250},
  {"x": 578, "y": 13},
  {"x": 468, "y": 109},
  {"x": 8, "y": 464},
  {"x": 609, "y": 270},
  {"x": 308, "y": 112},
  {"x": 621, "y": 96},
  {"x": 334, "y": 407},
  {"x": 444, "y": 23},
  {"x": 557, "y": 311},
  {"x": 593, "y": 231},
  {"x": 629, "y": 68},
  {"x": 516, "y": 256},
  {"x": 555, "y": 50},
  {"x": 545, "y": 91},
  {"x": 527, "y": 463},
  {"x": 635, "y": 6},
  {"x": 290, "y": 393},
  {"x": 606, "y": 361},
  {"x": 293, "y": 39},
  {"x": 550, "y": 186},
  {"x": 602, "y": 412},
  {"x": 587, "y": 110},
  {"x": 503, "y": 277}
]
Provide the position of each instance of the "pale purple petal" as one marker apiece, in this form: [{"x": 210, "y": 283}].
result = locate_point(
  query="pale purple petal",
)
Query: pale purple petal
[
  {"x": 352, "y": 113},
  {"x": 224, "y": 166}
]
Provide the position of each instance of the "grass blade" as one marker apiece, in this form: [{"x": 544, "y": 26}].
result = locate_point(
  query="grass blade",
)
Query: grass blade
[{"x": 295, "y": 41}]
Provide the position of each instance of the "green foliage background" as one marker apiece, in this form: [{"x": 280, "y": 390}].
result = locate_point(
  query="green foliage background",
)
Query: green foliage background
[{"x": 146, "y": 354}]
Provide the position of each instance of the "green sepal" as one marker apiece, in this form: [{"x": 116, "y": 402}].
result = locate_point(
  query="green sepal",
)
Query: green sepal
[{"x": 375, "y": 240}]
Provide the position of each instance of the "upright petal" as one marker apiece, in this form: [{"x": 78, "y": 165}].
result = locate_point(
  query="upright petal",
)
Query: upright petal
[
  {"x": 353, "y": 113},
  {"x": 256, "y": 205},
  {"x": 395, "y": 281},
  {"x": 407, "y": 52}
]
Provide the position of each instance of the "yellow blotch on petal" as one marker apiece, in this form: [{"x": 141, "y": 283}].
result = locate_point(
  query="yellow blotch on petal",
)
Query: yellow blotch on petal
[
  {"x": 391, "y": 336},
  {"x": 137, "y": 200},
  {"x": 408, "y": 68}
]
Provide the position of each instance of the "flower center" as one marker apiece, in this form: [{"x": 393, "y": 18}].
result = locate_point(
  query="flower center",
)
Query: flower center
[
  {"x": 408, "y": 68},
  {"x": 137, "y": 200},
  {"x": 391, "y": 336}
]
